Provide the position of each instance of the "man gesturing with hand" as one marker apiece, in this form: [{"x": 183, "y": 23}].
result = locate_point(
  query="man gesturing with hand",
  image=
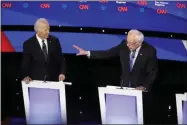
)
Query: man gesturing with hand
[{"x": 138, "y": 60}]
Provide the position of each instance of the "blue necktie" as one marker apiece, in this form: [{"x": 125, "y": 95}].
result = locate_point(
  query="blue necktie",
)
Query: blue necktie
[{"x": 132, "y": 56}]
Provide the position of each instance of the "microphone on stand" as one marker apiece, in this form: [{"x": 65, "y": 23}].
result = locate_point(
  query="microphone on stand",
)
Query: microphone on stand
[
  {"x": 45, "y": 77},
  {"x": 121, "y": 82}
]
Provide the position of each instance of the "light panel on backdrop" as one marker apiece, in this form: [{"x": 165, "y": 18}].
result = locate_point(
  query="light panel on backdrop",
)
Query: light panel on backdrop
[
  {"x": 170, "y": 49},
  {"x": 150, "y": 15}
]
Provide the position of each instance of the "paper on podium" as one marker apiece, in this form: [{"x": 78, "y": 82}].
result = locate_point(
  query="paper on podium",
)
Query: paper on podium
[
  {"x": 125, "y": 88},
  {"x": 114, "y": 87}
]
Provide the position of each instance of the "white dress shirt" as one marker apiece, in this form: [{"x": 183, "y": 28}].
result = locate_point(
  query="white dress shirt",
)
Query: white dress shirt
[{"x": 41, "y": 43}]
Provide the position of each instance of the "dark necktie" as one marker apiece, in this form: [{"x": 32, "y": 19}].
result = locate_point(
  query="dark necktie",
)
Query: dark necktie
[
  {"x": 44, "y": 49},
  {"x": 132, "y": 56}
]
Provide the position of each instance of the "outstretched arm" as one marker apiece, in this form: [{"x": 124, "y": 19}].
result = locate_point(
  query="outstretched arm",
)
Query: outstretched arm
[{"x": 114, "y": 51}]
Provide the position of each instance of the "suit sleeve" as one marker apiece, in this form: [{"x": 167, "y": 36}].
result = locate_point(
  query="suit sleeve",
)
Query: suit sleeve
[
  {"x": 26, "y": 60},
  {"x": 62, "y": 59},
  {"x": 151, "y": 69},
  {"x": 112, "y": 52}
]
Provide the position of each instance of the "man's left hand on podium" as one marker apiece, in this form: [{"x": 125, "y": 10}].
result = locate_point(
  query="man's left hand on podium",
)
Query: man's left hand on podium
[
  {"x": 61, "y": 77},
  {"x": 141, "y": 88}
]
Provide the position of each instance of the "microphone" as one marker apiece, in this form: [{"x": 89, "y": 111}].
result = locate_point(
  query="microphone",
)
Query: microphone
[
  {"x": 121, "y": 82},
  {"x": 45, "y": 77}
]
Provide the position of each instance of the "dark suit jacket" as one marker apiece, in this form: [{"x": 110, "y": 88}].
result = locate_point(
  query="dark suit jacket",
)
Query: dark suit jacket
[
  {"x": 145, "y": 67},
  {"x": 34, "y": 64}
]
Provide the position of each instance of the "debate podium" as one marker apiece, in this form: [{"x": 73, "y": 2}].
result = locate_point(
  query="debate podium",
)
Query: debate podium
[
  {"x": 120, "y": 106},
  {"x": 181, "y": 103},
  {"x": 45, "y": 102}
]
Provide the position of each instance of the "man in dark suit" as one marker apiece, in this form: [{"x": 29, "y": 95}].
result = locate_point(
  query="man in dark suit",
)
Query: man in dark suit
[
  {"x": 138, "y": 60},
  {"x": 42, "y": 55}
]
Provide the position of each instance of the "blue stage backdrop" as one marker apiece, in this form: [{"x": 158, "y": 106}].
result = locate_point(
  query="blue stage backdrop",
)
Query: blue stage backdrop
[
  {"x": 170, "y": 49},
  {"x": 167, "y": 16}
]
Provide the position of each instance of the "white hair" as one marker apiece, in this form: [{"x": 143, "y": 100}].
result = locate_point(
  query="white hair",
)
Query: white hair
[
  {"x": 39, "y": 21},
  {"x": 139, "y": 35}
]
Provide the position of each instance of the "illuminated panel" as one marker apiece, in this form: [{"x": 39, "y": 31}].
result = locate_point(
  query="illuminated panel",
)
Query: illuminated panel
[
  {"x": 45, "y": 106},
  {"x": 115, "y": 111},
  {"x": 120, "y": 106},
  {"x": 44, "y": 102},
  {"x": 26, "y": 13},
  {"x": 90, "y": 41},
  {"x": 184, "y": 112},
  {"x": 181, "y": 105}
]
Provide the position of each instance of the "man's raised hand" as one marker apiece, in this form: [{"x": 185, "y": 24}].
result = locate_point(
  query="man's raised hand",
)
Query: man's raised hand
[{"x": 81, "y": 51}]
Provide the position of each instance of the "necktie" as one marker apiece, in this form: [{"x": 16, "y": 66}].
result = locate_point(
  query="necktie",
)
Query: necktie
[
  {"x": 44, "y": 49},
  {"x": 132, "y": 56}
]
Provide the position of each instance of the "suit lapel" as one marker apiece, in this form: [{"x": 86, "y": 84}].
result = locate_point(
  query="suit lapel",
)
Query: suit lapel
[
  {"x": 49, "y": 49},
  {"x": 138, "y": 58},
  {"x": 125, "y": 57}
]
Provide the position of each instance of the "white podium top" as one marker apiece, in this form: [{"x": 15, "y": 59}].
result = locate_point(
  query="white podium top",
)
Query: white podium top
[
  {"x": 114, "y": 87},
  {"x": 118, "y": 91},
  {"x": 124, "y": 88},
  {"x": 46, "y": 84}
]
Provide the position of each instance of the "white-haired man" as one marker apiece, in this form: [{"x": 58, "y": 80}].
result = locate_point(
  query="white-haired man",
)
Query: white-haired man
[
  {"x": 42, "y": 55},
  {"x": 138, "y": 60}
]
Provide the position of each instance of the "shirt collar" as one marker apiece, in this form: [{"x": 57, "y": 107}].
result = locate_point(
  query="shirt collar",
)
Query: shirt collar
[
  {"x": 39, "y": 39},
  {"x": 138, "y": 49}
]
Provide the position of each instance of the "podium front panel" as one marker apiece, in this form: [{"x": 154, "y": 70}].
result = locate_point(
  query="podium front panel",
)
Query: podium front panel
[
  {"x": 121, "y": 109},
  {"x": 44, "y": 106},
  {"x": 45, "y": 102},
  {"x": 120, "y": 106},
  {"x": 184, "y": 112},
  {"x": 181, "y": 103}
]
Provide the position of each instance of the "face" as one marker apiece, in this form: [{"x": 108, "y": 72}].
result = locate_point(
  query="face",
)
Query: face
[
  {"x": 132, "y": 42},
  {"x": 43, "y": 30}
]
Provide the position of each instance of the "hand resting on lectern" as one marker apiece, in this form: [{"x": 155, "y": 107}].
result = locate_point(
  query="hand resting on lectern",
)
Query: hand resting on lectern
[{"x": 27, "y": 79}]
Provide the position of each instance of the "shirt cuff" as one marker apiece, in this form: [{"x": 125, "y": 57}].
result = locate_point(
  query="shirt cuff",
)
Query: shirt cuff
[{"x": 88, "y": 54}]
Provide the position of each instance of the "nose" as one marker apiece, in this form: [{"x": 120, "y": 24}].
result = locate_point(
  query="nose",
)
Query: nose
[{"x": 128, "y": 44}]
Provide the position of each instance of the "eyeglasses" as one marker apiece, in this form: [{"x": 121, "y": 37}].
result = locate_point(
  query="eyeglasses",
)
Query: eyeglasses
[{"x": 131, "y": 43}]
